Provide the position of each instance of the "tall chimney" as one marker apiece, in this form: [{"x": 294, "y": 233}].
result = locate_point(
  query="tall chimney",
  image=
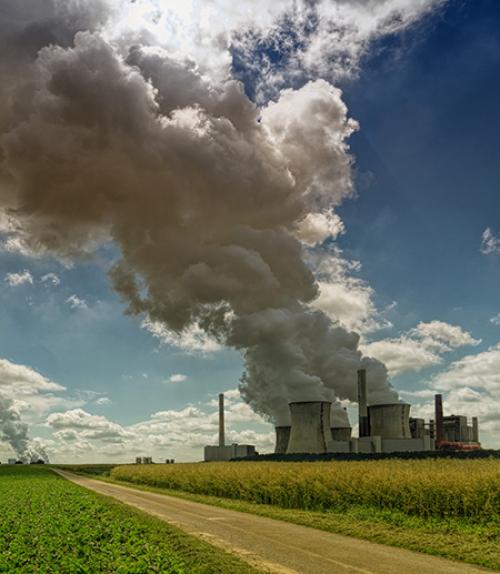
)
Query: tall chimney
[
  {"x": 364, "y": 422},
  {"x": 475, "y": 429},
  {"x": 438, "y": 403},
  {"x": 222, "y": 440}
]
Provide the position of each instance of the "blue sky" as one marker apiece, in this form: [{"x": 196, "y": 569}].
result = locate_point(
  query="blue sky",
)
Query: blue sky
[{"x": 427, "y": 175}]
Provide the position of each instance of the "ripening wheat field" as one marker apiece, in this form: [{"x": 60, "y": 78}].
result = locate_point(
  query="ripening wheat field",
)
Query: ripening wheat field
[{"x": 465, "y": 489}]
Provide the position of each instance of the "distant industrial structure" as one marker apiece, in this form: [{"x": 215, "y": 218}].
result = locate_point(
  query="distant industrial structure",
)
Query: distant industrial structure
[
  {"x": 383, "y": 428},
  {"x": 222, "y": 451},
  {"x": 453, "y": 432},
  {"x": 143, "y": 460}
]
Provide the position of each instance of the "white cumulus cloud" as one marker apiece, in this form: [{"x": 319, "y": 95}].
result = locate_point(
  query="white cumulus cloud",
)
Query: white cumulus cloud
[
  {"x": 21, "y": 278},
  {"x": 420, "y": 347},
  {"x": 343, "y": 296},
  {"x": 191, "y": 340}
]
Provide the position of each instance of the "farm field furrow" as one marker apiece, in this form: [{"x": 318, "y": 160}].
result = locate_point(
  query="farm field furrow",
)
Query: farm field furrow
[{"x": 49, "y": 525}]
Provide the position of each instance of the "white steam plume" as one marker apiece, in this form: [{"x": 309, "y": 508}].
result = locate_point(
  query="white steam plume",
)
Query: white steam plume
[
  {"x": 15, "y": 433},
  {"x": 111, "y": 138}
]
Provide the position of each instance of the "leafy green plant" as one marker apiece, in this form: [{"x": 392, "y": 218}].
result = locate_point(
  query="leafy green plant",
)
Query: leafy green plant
[{"x": 49, "y": 525}]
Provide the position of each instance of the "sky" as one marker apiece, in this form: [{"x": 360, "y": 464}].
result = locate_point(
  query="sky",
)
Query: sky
[{"x": 392, "y": 190}]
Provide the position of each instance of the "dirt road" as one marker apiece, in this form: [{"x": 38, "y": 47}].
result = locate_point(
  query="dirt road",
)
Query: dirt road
[{"x": 275, "y": 546}]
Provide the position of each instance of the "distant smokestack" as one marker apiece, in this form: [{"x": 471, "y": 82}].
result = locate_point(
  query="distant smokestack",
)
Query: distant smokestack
[
  {"x": 439, "y": 424},
  {"x": 310, "y": 427},
  {"x": 364, "y": 422},
  {"x": 222, "y": 440},
  {"x": 282, "y": 439},
  {"x": 475, "y": 429}
]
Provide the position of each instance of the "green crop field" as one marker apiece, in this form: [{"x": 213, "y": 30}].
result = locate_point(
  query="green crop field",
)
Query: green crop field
[
  {"x": 49, "y": 525},
  {"x": 445, "y": 507}
]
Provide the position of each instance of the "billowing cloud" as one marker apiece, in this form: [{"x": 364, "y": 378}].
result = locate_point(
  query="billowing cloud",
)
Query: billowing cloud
[
  {"x": 33, "y": 394},
  {"x": 205, "y": 193},
  {"x": 24, "y": 394},
  {"x": 14, "y": 432},
  {"x": 343, "y": 296},
  {"x": 170, "y": 433},
  {"x": 477, "y": 371},
  {"x": 315, "y": 228},
  {"x": 89, "y": 427},
  {"x": 321, "y": 39},
  {"x": 490, "y": 242},
  {"x": 17, "y": 279},
  {"x": 419, "y": 348},
  {"x": 191, "y": 339},
  {"x": 22, "y": 380}
]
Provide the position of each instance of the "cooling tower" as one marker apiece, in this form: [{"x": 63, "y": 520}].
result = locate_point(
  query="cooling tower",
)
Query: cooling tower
[
  {"x": 390, "y": 421},
  {"x": 282, "y": 439},
  {"x": 341, "y": 433},
  {"x": 310, "y": 430}
]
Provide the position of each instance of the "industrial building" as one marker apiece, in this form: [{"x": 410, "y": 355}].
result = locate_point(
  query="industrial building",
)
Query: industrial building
[
  {"x": 454, "y": 432},
  {"x": 222, "y": 451},
  {"x": 143, "y": 460},
  {"x": 383, "y": 428}
]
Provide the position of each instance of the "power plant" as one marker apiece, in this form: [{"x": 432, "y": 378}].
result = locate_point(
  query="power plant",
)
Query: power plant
[
  {"x": 222, "y": 451},
  {"x": 383, "y": 428},
  {"x": 453, "y": 432}
]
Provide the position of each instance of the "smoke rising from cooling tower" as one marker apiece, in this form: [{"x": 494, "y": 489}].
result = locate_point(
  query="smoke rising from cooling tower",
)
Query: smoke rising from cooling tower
[
  {"x": 15, "y": 433},
  {"x": 116, "y": 139}
]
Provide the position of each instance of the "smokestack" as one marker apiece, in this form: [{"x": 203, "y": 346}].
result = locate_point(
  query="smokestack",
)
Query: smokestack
[
  {"x": 475, "y": 429},
  {"x": 439, "y": 424},
  {"x": 282, "y": 439},
  {"x": 222, "y": 440},
  {"x": 310, "y": 427},
  {"x": 364, "y": 421}
]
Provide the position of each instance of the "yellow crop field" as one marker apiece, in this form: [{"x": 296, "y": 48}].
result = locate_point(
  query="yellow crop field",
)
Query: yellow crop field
[{"x": 429, "y": 488}]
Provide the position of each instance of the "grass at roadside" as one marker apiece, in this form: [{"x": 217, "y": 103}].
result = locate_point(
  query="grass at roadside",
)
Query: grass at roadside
[
  {"x": 474, "y": 540},
  {"x": 453, "y": 539},
  {"x": 50, "y": 525}
]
